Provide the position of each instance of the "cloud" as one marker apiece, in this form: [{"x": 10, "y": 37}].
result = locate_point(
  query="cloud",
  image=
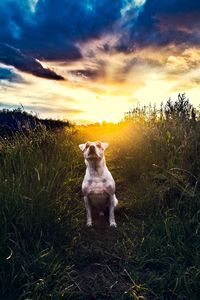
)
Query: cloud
[
  {"x": 187, "y": 22},
  {"x": 10, "y": 75},
  {"x": 160, "y": 23},
  {"x": 34, "y": 27},
  {"x": 50, "y": 29},
  {"x": 85, "y": 73},
  {"x": 12, "y": 56},
  {"x": 157, "y": 14},
  {"x": 135, "y": 63},
  {"x": 187, "y": 61},
  {"x": 40, "y": 108},
  {"x": 108, "y": 51},
  {"x": 55, "y": 110}
]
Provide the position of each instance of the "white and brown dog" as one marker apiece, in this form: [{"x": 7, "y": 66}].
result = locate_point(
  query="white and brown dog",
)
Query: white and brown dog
[{"x": 98, "y": 186}]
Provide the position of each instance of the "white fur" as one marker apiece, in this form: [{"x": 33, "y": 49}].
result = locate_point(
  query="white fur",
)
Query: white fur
[{"x": 98, "y": 184}]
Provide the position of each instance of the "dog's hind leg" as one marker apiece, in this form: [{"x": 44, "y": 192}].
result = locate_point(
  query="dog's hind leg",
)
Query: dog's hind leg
[{"x": 88, "y": 212}]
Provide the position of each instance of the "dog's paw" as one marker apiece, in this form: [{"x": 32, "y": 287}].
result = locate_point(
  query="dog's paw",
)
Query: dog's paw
[
  {"x": 89, "y": 224},
  {"x": 113, "y": 224}
]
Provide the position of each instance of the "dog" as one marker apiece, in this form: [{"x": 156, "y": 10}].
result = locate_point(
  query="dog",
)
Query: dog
[{"x": 98, "y": 185}]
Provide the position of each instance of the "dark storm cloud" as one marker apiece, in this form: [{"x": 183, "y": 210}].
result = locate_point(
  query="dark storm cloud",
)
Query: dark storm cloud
[
  {"x": 51, "y": 30},
  {"x": 154, "y": 24},
  {"x": 12, "y": 56}
]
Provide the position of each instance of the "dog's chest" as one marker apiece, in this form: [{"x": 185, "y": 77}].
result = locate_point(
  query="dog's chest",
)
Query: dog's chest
[{"x": 97, "y": 185}]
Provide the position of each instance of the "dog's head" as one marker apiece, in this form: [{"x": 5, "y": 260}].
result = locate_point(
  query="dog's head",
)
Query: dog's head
[{"x": 93, "y": 150}]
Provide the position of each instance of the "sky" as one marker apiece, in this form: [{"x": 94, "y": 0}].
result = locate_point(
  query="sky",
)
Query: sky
[{"x": 92, "y": 60}]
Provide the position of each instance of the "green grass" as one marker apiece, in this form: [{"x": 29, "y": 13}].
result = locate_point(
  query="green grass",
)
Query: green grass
[{"x": 46, "y": 251}]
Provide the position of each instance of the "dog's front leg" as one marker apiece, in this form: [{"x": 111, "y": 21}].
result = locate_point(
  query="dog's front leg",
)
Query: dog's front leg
[
  {"x": 111, "y": 211},
  {"x": 88, "y": 211}
]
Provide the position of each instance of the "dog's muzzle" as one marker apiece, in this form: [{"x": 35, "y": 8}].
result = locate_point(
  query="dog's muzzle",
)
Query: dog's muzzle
[{"x": 92, "y": 150}]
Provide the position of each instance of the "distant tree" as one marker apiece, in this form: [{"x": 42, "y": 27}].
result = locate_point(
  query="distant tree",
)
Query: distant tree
[
  {"x": 18, "y": 120},
  {"x": 180, "y": 109}
]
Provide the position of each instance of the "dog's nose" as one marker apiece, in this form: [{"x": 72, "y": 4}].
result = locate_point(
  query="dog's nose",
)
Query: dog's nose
[{"x": 92, "y": 149}]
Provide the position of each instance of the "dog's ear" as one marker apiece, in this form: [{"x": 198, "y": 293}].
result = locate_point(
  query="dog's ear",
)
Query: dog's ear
[
  {"x": 104, "y": 145},
  {"x": 82, "y": 147}
]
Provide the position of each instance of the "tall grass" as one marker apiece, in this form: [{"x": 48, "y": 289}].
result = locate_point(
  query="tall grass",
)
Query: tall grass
[
  {"x": 47, "y": 252},
  {"x": 38, "y": 186}
]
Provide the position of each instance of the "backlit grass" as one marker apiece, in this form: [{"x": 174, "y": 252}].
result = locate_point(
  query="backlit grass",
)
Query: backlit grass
[{"x": 46, "y": 250}]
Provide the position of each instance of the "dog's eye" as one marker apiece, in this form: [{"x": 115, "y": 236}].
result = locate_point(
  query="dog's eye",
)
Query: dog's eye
[{"x": 99, "y": 145}]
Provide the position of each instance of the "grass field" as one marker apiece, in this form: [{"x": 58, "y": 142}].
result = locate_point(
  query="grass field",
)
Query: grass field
[{"x": 47, "y": 252}]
